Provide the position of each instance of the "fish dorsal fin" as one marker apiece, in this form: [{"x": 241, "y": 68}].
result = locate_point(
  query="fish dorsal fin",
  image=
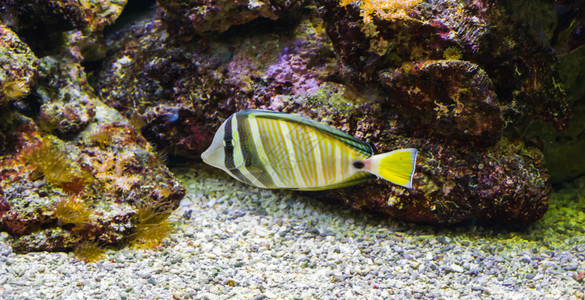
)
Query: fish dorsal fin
[{"x": 337, "y": 134}]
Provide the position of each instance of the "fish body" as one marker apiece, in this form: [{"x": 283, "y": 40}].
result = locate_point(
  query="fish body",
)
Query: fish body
[{"x": 276, "y": 150}]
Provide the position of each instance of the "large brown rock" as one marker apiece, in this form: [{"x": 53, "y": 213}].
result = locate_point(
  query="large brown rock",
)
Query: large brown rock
[
  {"x": 74, "y": 173},
  {"x": 432, "y": 77},
  {"x": 194, "y": 17},
  {"x": 76, "y": 170},
  {"x": 523, "y": 71},
  {"x": 18, "y": 67},
  {"x": 51, "y": 27},
  {"x": 450, "y": 98}
]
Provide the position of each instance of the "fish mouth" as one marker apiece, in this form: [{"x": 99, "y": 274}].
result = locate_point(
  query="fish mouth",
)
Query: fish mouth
[{"x": 205, "y": 156}]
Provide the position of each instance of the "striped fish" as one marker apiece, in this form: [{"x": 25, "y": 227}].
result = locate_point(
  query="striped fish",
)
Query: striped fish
[{"x": 276, "y": 150}]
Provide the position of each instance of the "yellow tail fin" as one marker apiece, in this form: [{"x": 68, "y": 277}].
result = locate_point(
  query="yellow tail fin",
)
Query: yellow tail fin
[{"x": 396, "y": 166}]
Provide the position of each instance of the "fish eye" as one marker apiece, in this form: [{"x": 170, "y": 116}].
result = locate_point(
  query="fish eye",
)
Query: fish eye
[
  {"x": 227, "y": 143},
  {"x": 358, "y": 164}
]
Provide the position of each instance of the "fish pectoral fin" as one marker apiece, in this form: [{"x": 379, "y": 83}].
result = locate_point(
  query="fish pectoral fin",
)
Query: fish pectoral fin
[
  {"x": 396, "y": 166},
  {"x": 254, "y": 170}
]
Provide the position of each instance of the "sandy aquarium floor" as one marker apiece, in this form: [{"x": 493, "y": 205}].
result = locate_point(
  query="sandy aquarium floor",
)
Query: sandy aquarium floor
[{"x": 232, "y": 241}]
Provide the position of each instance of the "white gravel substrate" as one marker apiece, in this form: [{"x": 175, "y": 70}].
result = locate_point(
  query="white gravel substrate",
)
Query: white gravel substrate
[{"x": 232, "y": 241}]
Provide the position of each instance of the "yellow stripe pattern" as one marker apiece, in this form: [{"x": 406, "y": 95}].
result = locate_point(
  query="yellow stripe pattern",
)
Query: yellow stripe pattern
[{"x": 298, "y": 156}]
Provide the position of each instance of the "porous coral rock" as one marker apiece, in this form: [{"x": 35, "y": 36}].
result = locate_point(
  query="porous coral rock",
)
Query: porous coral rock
[
  {"x": 52, "y": 26},
  {"x": 69, "y": 109},
  {"x": 66, "y": 119},
  {"x": 525, "y": 78},
  {"x": 32, "y": 200},
  {"x": 188, "y": 89},
  {"x": 18, "y": 67},
  {"x": 118, "y": 170},
  {"x": 181, "y": 91},
  {"x": 189, "y": 18},
  {"x": 451, "y": 98}
]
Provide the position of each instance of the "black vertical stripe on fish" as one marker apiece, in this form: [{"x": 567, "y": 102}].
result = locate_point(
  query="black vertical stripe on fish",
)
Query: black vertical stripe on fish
[
  {"x": 229, "y": 152},
  {"x": 229, "y": 147},
  {"x": 252, "y": 162}
]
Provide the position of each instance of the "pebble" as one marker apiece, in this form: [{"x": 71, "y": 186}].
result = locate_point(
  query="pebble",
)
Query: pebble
[
  {"x": 314, "y": 231},
  {"x": 455, "y": 268}
]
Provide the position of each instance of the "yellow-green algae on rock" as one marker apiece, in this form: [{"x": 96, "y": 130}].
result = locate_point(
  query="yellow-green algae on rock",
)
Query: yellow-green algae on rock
[{"x": 18, "y": 66}]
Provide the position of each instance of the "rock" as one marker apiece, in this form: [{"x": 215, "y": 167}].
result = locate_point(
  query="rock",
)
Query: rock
[
  {"x": 48, "y": 25},
  {"x": 525, "y": 78},
  {"x": 73, "y": 172},
  {"x": 430, "y": 76},
  {"x": 451, "y": 98},
  {"x": 96, "y": 181},
  {"x": 190, "y": 18},
  {"x": 66, "y": 119},
  {"x": 18, "y": 68}
]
